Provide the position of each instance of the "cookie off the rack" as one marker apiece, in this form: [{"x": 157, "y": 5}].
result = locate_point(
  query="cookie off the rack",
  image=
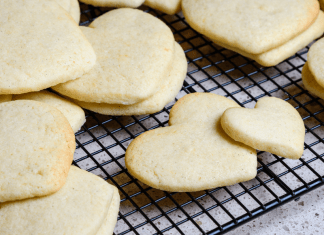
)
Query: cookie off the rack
[
  {"x": 41, "y": 46},
  {"x": 193, "y": 153},
  {"x": 85, "y": 205},
  {"x": 37, "y": 146},
  {"x": 168, "y": 91},
  {"x": 135, "y": 51},
  {"x": 73, "y": 113}
]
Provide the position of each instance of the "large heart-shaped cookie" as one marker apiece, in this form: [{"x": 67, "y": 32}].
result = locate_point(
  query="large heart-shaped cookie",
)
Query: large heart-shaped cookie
[
  {"x": 273, "y": 125},
  {"x": 134, "y": 51},
  {"x": 253, "y": 26},
  {"x": 193, "y": 153},
  {"x": 40, "y": 46}
]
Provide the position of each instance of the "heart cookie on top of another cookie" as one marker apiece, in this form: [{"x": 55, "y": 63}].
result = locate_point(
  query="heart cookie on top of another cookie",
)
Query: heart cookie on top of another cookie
[
  {"x": 273, "y": 126},
  {"x": 193, "y": 153}
]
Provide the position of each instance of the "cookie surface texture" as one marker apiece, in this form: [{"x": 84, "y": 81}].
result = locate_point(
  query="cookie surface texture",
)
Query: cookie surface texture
[
  {"x": 75, "y": 11},
  {"x": 193, "y": 153},
  {"x": 310, "y": 83},
  {"x": 80, "y": 207},
  {"x": 37, "y": 145},
  {"x": 169, "y": 7},
  {"x": 5, "y": 98},
  {"x": 253, "y": 26},
  {"x": 277, "y": 55},
  {"x": 168, "y": 91},
  {"x": 73, "y": 113},
  {"x": 273, "y": 126},
  {"x": 47, "y": 47},
  {"x": 114, "y": 3},
  {"x": 135, "y": 51}
]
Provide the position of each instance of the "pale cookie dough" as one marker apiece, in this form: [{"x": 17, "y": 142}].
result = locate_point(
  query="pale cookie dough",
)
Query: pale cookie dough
[
  {"x": 168, "y": 91},
  {"x": 253, "y": 26},
  {"x": 310, "y": 83},
  {"x": 135, "y": 51},
  {"x": 114, "y": 3},
  {"x": 170, "y": 7},
  {"x": 71, "y": 6},
  {"x": 80, "y": 207},
  {"x": 277, "y": 55},
  {"x": 5, "y": 98},
  {"x": 37, "y": 145},
  {"x": 109, "y": 223},
  {"x": 273, "y": 126},
  {"x": 315, "y": 61},
  {"x": 41, "y": 46},
  {"x": 193, "y": 153},
  {"x": 73, "y": 113}
]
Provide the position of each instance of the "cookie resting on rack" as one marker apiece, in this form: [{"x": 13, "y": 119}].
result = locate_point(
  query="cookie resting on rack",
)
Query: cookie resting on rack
[
  {"x": 193, "y": 153},
  {"x": 37, "y": 146},
  {"x": 169, "y": 7},
  {"x": 273, "y": 125},
  {"x": 85, "y": 205}
]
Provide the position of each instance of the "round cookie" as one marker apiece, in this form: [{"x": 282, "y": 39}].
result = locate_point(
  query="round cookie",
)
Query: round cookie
[
  {"x": 135, "y": 53},
  {"x": 46, "y": 48},
  {"x": 37, "y": 146},
  {"x": 168, "y": 91},
  {"x": 253, "y": 26},
  {"x": 5, "y": 98},
  {"x": 169, "y": 7},
  {"x": 273, "y": 125},
  {"x": 114, "y": 3},
  {"x": 310, "y": 82},
  {"x": 80, "y": 207},
  {"x": 193, "y": 153},
  {"x": 73, "y": 113}
]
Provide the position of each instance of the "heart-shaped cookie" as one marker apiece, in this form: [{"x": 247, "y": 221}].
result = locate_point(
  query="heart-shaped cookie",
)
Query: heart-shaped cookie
[
  {"x": 193, "y": 153},
  {"x": 135, "y": 51},
  {"x": 44, "y": 49},
  {"x": 253, "y": 26},
  {"x": 273, "y": 126}
]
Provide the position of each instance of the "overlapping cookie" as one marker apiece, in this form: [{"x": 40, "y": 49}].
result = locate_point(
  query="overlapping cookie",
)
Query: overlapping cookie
[
  {"x": 169, "y": 7},
  {"x": 114, "y": 3},
  {"x": 37, "y": 146},
  {"x": 45, "y": 48},
  {"x": 71, "y": 6},
  {"x": 73, "y": 113},
  {"x": 86, "y": 204},
  {"x": 193, "y": 153},
  {"x": 135, "y": 51},
  {"x": 267, "y": 31},
  {"x": 168, "y": 91},
  {"x": 273, "y": 126}
]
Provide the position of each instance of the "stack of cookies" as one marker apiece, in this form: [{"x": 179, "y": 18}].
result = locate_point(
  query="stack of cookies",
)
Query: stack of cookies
[
  {"x": 266, "y": 31},
  {"x": 139, "y": 68}
]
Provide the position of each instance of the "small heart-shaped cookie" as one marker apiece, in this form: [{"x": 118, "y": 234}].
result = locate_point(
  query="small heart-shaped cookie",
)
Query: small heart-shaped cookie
[
  {"x": 134, "y": 52},
  {"x": 193, "y": 153},
  {"x": 253, "y": 26},
  {"x": 273, "y": 126}
]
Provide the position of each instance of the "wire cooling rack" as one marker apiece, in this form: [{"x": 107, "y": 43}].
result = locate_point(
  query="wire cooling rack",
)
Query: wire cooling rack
[{"x": 102, "y": 142}]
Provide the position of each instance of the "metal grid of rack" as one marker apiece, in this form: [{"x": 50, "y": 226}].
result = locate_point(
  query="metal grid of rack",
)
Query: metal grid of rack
[{"x": 102, "y": 142}]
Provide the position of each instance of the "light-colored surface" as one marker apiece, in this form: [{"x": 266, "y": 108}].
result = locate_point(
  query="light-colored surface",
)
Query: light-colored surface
[
  {"x": 72, "y": 7},
  {"x": 277, "y": 55},
  {"x": 42, "y": 139},
  {"x": 135, "y": 51},
  {"x": 310, "y": 83},
  {"x": 73, "y": 113},
  {"x": 114, "y": 3},
  {"x": 169, "y": 89},
  {"x": 252, "y": 26},
  {"x": 46, "y": 47},
  {"x": 109, "y": 223},
  {"x": 170, "y": 7},
  {"x": 273, "y": 125},
  {"x": 5, "y": 98},
  {"x": 193, "y": 153},
  {"x": 80, "y": 207},
  {"x": 316, "y": 61}
]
